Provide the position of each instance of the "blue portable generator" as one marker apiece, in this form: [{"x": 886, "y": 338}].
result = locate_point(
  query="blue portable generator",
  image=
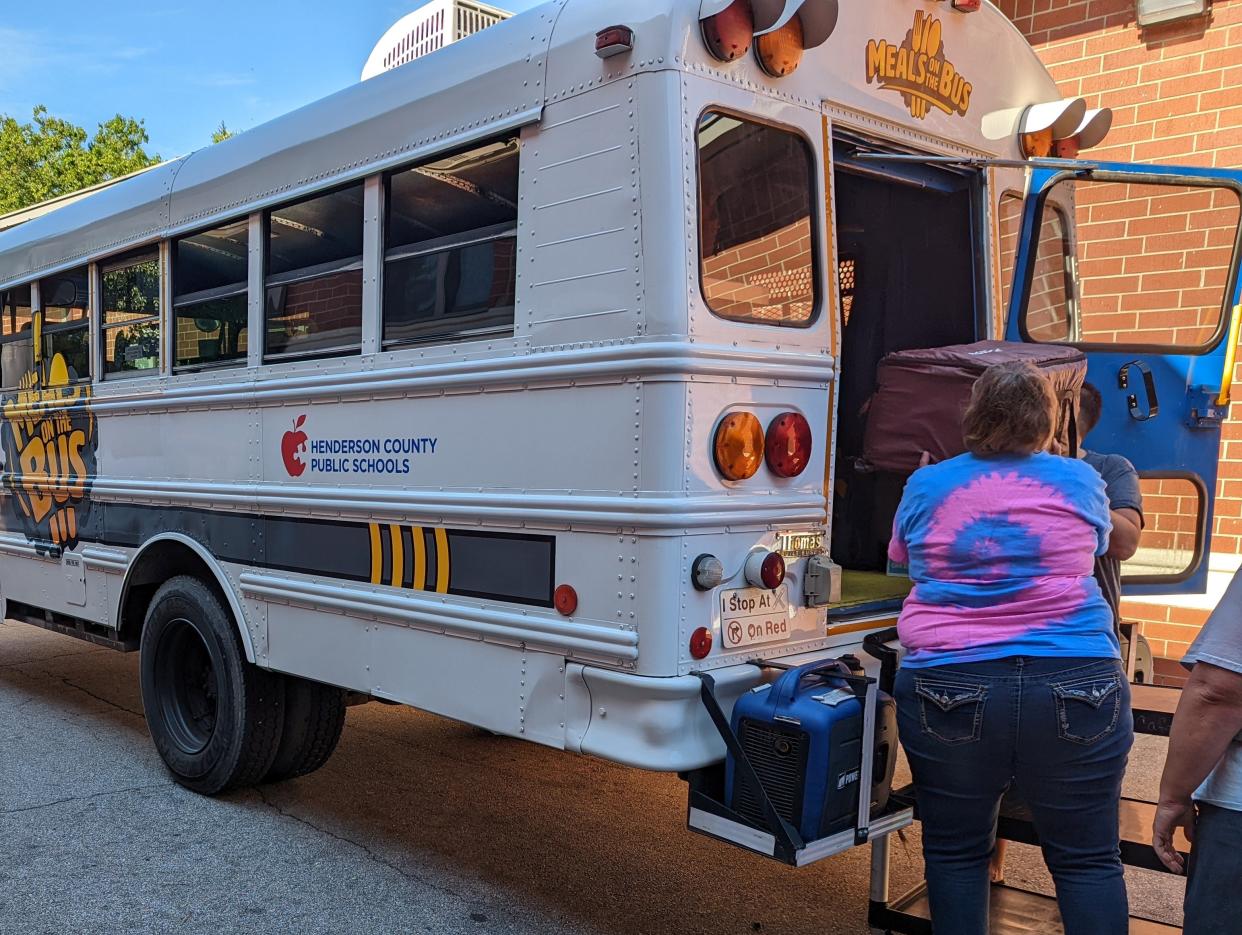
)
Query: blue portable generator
[{"x": 803, "y": 735}]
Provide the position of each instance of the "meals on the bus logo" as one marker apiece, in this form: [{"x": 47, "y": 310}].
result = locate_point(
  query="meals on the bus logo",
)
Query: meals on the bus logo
[
  {"x": 919, "y": 71},
  {"x": 49, "y": 450}
]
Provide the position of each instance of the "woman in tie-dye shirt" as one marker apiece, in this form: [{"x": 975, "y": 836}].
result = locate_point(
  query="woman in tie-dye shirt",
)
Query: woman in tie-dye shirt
[{"x": 1012, "y": 674}]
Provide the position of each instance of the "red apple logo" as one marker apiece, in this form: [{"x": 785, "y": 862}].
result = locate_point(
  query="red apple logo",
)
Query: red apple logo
[{"x": 293, "y": 447}]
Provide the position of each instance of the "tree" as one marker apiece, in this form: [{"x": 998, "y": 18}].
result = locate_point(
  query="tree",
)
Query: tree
[
  {"x": 49, "y": 157},
  {"x": 222, "y": 133}
]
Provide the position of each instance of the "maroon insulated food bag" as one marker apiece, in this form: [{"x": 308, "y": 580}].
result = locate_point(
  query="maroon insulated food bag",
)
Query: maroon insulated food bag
[{"x": 922, "y": 394}]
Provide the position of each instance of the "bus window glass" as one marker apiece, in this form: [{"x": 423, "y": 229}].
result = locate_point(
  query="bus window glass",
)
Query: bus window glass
[
  {"x": 1152, "y": 264},
  {"x": 756, "y": 196},
  {"x": 131, "y": 314},
  {"x": 314, "y": 276},
  {"x": 65, "y": 300},
  {"x": 450, "y": 246},
  {"x": 1050, "y": 315},
  {"x": 210, "y": 305},
  {"x": 16, "y": 336}
]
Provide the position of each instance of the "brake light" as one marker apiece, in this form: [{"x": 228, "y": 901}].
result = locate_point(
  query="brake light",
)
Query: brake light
[
  {"x": 765, "y": 569},
  {"x": 700, "y": 643},
  {"x": 967, "y": 6},
  {"x": 728, "y": 33},
  {"x": 780, "y": 52},
  {"x": 738, "y": 447},
  {"x": 789, "y": 444}
]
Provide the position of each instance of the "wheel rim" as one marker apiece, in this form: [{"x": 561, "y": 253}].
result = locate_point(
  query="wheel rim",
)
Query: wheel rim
[{"x": 189, "y": 686}]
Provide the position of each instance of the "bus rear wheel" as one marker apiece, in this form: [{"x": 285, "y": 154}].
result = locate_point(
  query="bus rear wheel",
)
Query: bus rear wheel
[
  {"x": 215, "y": 719},
  {"x": 314, "y": 717}
]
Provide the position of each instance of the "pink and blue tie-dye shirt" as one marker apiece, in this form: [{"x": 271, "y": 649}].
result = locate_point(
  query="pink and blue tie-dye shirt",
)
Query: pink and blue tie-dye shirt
[{"x": 1001, "y": 552}]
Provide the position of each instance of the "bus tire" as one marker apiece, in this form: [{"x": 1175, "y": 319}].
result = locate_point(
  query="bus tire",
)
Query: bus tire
[
  {"x": 314, "y": 717},
  {"x": 215, "y": 718}
]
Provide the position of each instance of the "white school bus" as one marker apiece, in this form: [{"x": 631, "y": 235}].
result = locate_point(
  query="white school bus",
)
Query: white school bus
[{"x": 525, "y": 381}]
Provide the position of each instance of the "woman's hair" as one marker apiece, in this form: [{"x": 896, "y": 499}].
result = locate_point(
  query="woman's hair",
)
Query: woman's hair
[{"x": 1012, "y": 411}]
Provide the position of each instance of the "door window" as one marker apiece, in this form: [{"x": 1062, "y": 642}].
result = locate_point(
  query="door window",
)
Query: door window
[
  {"x": 1174, "y": 511},
  {"x": 1142, "y": 264}
]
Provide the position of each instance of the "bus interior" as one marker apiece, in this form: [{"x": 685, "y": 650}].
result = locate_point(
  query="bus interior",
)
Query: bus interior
[{"x": 910, "y": 277}]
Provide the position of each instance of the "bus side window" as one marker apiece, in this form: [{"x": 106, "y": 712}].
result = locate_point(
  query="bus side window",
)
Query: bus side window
[
  {"x": 131, "y": 313},
  {"x": 210, "y": 307},
  {"x": 16, "y": 336},
  {"x": 450, "y": 246},
  {"x": 65, "y": 300},
  {"x": 314, "y": 276}
]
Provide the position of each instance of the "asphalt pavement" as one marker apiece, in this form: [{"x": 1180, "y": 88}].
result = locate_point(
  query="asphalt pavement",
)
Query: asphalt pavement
[{"x": 416, "y": 825}]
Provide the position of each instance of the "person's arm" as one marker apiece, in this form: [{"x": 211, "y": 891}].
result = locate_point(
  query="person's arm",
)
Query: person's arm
[
  {"x": 1209, "y": 716},
  {"x": 1127, "y": 529}
]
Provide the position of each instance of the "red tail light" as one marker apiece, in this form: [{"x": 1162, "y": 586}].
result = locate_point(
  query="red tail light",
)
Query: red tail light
[
  {"x": 728, "y": 34},
  {"x": 967, "y": 6},
  {"x": 789, "y": 444},
  {"x": 765, "y": 569},
  {"x": 700, "y": 643}
]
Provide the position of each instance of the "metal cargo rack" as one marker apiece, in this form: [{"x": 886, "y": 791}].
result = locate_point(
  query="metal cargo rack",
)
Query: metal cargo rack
[{"x": 776, "y": 837}]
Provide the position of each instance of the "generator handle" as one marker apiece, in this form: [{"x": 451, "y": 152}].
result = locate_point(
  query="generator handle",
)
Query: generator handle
[
  {"x": 785, "y": 687},
  {"x": 786, "y": 835},
  {"x": 876, "y": 646}
]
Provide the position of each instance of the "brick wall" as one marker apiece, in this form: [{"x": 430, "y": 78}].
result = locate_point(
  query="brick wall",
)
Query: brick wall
[{"x": 1176, "y": 92}]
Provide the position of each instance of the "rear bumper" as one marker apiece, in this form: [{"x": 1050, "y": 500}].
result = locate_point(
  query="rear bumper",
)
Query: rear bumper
[{"x": 657, "y": 724}]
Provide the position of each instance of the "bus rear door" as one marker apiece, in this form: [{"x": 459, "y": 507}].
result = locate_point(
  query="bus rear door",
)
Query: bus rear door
[{"x": 1139, "y": 267}]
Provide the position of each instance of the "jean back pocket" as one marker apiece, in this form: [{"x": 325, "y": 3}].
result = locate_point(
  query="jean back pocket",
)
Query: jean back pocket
[
  {"x": 1088, "y": 708},
  {"x": 951, "y": 712}
]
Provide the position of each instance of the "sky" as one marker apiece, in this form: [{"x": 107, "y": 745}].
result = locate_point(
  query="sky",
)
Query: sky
[{"x": 183, "y": 67}]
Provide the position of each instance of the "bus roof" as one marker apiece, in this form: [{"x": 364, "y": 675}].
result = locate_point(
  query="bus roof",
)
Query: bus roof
[{"x": 501, "y": 78}]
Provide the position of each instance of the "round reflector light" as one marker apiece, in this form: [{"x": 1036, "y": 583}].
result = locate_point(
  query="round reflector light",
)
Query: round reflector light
[
  {"x": 707, "y": 572},
  {"x": 565, "y": 600},
  {"x": 780, "y": 52},
  {"x": 729, "y": 32},
  {"x": 789, "y": 444},
  {"x": 765, "y": 569},
  {"x": 700, "y": 643},
  {"x": 739, "y": 446}
]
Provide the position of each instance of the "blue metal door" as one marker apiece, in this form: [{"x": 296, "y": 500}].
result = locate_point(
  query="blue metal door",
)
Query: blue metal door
[{"x": 1138, "y": 266}]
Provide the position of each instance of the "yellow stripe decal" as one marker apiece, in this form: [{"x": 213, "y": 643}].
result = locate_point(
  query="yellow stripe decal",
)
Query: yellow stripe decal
[
  {"x": 377, "y": 555},
  {"x": 442, "y": 561},
  {"x": 398, "y": 557},
  {"x": 420, "y": 559}
]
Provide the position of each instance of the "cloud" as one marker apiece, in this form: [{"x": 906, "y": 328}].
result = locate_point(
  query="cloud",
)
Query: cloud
[
  {"x": 23, "y": 51},
  {"x": 224, "y": 80}
]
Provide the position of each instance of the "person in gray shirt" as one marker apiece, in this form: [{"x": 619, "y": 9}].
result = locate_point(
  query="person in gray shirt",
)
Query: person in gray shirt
[
  {"x": 1125, "y": 503},
  {"x": 1201, "y": 789}
]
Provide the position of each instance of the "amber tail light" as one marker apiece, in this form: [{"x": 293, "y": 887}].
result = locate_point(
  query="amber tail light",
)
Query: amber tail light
[{"x": 738, "y": 447}]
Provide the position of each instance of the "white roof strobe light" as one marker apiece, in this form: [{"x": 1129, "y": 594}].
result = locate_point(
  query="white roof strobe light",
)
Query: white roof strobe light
[
  {"x": 1043, "y": 124},
  {"x": 819, "y": 18}
]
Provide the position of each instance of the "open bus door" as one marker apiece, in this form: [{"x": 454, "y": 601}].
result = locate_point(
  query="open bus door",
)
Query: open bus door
[{"x": 1139, "y": 267}]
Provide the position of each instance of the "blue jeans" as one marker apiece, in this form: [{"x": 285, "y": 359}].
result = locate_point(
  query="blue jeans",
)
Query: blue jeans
[
  {"x": 1059, "y": 731},
  {"x": 1213, "y": 903}
]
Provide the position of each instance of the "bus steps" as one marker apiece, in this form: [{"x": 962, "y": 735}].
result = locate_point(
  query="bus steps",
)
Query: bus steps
[{"x": 1015, "y": 910}]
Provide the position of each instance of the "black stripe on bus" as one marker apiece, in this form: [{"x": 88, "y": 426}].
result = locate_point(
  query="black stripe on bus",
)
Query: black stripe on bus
[{"x": 512, "y": 567}]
